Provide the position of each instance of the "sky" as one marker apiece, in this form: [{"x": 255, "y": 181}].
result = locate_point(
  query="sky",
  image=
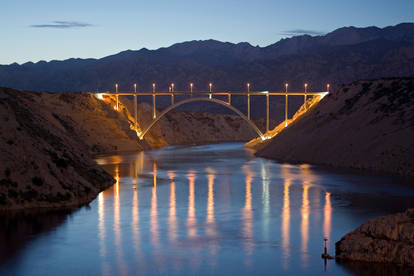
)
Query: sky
[{"x": 55, "y": 30}]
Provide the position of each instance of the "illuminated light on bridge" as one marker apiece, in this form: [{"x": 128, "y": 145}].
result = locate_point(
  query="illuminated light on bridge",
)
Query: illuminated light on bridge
[
  {"x": 264, "y": 137},
  {"x": 99, "y": 96},
  {"x": 141, "y": 132},
  {"x": 323, "y": 94}
]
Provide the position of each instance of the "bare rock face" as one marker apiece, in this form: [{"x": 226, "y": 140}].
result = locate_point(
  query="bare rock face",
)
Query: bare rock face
[
  {"x": 366, "y": 125},
  {"x": 388, "y": 239},
  {"x": 42, "y": 164}
]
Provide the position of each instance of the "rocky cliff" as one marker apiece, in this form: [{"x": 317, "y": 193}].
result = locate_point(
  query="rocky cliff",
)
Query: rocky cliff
[
  {"x": 364, "y": 125},
  {"x": 42, "y": 165},
  {"x": 388, "y": 239}
]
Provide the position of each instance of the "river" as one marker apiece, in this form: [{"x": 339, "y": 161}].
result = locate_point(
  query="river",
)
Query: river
[{"x": 203, "y": 210}]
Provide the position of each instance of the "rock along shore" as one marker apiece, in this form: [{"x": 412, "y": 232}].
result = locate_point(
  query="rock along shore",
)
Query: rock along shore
[{"x": 387, "y": 239}]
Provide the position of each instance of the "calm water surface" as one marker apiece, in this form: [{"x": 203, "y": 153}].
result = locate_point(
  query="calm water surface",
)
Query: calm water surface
[{"x": 203, "y": 210}]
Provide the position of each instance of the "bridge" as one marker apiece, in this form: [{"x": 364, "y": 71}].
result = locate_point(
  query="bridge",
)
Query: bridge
[{"x": 209, "y": 96}]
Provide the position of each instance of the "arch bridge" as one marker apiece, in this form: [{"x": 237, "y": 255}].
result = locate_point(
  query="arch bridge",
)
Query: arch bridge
[{"x": 209, "y": 97}]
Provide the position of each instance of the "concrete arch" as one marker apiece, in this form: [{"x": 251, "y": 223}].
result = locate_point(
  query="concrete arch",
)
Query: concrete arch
[{"x": 223, "y": 103}]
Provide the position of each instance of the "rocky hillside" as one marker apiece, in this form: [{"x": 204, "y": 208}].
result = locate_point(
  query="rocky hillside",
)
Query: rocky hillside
[
  {"x": 364, "y": 125},
  {"x": 42, "y": 165}
]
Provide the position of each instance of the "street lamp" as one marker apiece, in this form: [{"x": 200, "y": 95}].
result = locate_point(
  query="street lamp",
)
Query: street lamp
[
  {"x": 135, "y": 87},
  {"x": 286, "y": 105},
  {"x": 210, "y": 86},
  {"x": 172, "y": 93},
  {"x": 117, "y": 100},
  {"x": 327, "y": 87},
  {"x": 191, "y": 89},
  {"x": 154, "y": 110}
]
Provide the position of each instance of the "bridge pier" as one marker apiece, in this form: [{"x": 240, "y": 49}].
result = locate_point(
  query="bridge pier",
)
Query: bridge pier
[
  {"x": 135, "y": 108},
  {"x": 248, "y": 101},
  {"x": 154, "y": 114},
  {"x": 229, "y": 98},
  {"x": 116, "y": 91},
  {"x": 154, "y": 111},
  {"x": 306, "y": 88},
  {"x": 286, "y": 105},
  {"x": 267, "y": 112},
  {"x": 286, "y": 111}
]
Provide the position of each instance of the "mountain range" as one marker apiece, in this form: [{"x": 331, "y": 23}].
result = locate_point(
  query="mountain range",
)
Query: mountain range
[{"x": 341, "y": 56}]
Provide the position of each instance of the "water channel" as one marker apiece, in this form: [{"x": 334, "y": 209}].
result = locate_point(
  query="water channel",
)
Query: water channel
[{"x": 204, "y": 210}]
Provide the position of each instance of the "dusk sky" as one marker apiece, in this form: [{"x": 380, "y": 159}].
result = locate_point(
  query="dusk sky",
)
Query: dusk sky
[{"x": 46, "y": 30}]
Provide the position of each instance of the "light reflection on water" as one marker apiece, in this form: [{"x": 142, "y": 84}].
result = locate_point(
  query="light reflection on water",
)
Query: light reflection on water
[{"x": 210, "y": 210}]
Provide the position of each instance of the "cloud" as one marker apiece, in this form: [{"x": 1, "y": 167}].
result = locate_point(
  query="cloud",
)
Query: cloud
[
  {"x": 63, "y": 25},
  {"x": 296, "y": 32}
]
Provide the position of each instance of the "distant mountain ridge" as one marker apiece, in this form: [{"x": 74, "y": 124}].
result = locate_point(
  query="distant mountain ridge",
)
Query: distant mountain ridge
[{"x": 342, "y": 56}]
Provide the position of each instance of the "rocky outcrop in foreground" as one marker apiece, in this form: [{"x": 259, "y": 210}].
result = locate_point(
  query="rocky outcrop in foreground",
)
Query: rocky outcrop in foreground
[
  {"x": 42, "y": 164},
  {"x": 388, "y": 239},
  {"x": 363, "y": 125}
]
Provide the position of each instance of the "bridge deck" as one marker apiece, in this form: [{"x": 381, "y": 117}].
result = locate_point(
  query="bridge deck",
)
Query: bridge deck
[{"x": 187, "y": 93}]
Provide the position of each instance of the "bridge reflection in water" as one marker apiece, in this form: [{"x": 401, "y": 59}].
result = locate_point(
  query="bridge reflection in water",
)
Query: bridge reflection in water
[{"x": 177, "y": 213}]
